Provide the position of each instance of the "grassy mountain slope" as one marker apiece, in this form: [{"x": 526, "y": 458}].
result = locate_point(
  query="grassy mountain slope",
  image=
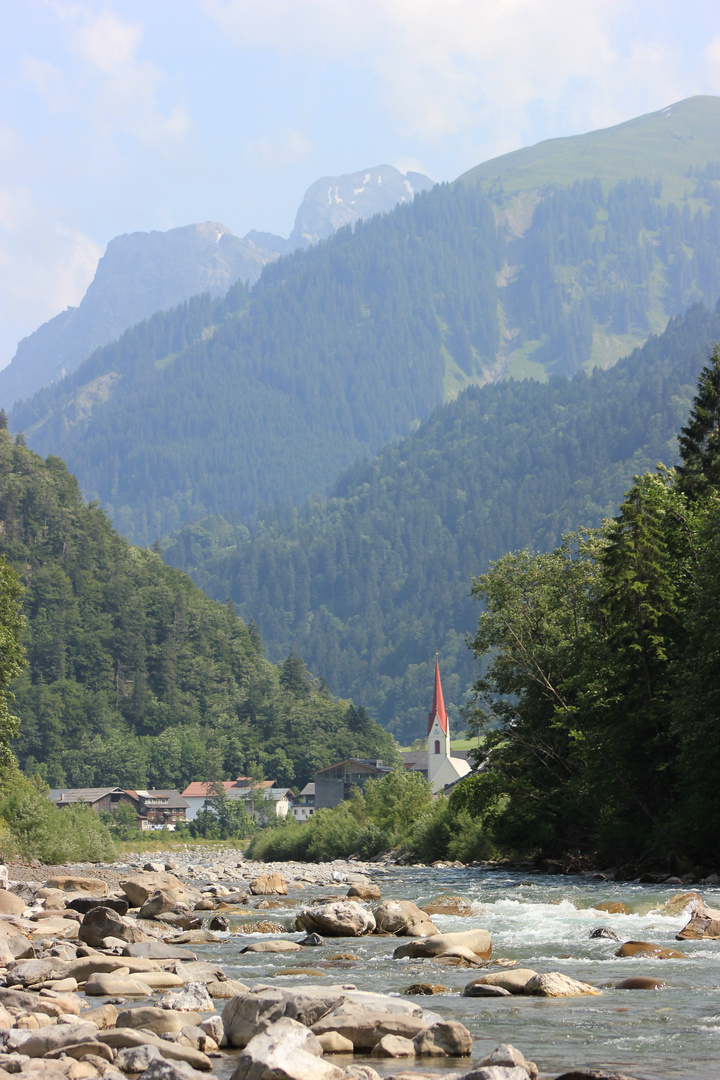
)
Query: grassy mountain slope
[
  {"x": 370, "y": 582},
  {"x": 264, "y": 397},
  {"x": 135, "y": 677}
]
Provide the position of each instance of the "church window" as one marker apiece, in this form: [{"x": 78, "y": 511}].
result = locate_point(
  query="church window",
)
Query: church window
[{"x": 437, "y": 746}]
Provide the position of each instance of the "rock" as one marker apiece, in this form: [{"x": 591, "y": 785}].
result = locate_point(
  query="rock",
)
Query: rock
[
  {"x": 285, "y": 1051},
  {"x": 102, "y": 922},
  {"x": 162, "y": 900},
  {"x": 268, "y": 885},
  {"x": 19, "y": 946},
  {"x": 364, "y": 892},
  {"x": 194, "y": 937},
  {"x": 555, "y": 984},
  {"x": 344, "y": 918},
  {"x": 513, "y": 980},
  {"x": 10, "y": 904},
  {"x": 40, "y": 1043},
  {"x": 160, "y": 1069},
  {"x": 333, "y": 1042},
  {"x": 478, "y": 943},
  {"x": 154, "y": 867},
  {"x": 418, "y": 989},
  {"x": 365, "y": 1026},
  {"x": 116, "y": 984},
  {"x": 594, "y": 1074},
  {"x": 80, "y": 1050},
  {"x": 140, "y": 887},
  {"x": 678, "y": 903},
  {"x": 70, "y": 883},
  {"x": 362, "y": 1072},
  {"x": 507, "y": 1056},
  {"x": 604, "y": 932},
  {"x": 393, "y": 1046},
  {"x": 85, "y": 966},
  {"x": 83, "y": 904},
  {"x": 226, "y": 989},
  {"x": 219, "y": 924},
  {"x": 197, "y": 1038},
  {"x": 646, "y": 948},
  {"x": 448, "y": 905},
  {"x": 272, "y": 947},
  {"x": 640, "y": 982},
  {"x": 613, "y": 907},
  {"x": 194, "y": 998},
  {"x": 135, "y": 1059},
  {"x": 249, "y": 1013},
  {"x": 704, "y": 923},
  {"x": 403, "y": 918},
  {"x": 120, "y": 1038},
  {"x": 447, "y": 1038},
  {"x": 104, "y": 1017},
  {"x": 158, "y": 950},
  {"x": 157, "y": 1020},
  {"x": 161, "y": 980},
  {"x": 30, "y": 972},
  {"x": 312, "y": 940}
]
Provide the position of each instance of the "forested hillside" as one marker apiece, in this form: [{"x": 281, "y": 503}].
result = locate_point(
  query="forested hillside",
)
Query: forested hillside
[
  {"x": 370, "y": 582},
  {"x": 134, "y": 676},
  {"x": 264, "y": 397}
]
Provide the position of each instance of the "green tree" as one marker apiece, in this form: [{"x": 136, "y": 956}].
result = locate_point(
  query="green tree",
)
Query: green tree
[
  {"x": 700, "y": 438},
  {"x": 12, "y": 657}
]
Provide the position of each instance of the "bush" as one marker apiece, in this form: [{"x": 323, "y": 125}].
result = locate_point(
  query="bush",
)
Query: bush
[{"x": 33, "y": 827}]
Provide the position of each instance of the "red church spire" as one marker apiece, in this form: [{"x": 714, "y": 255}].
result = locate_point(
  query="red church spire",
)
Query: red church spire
[{"x": 438, "y": 705}]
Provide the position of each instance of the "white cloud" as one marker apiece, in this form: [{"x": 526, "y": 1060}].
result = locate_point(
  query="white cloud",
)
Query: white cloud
[
  {"x": 279, "y": 153},
  {"x": 107, "y": 42}
]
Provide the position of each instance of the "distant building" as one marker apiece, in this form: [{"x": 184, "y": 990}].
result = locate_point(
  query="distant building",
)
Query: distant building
[
  {"x": 198, "y": 792},
  {"x": 253, "y": 794},
  {"x": 442, "y": 768},
  {"x": 304, "y": 806},
  {"x": 334, "y": 784},
  {"x": 106, "y": 798},
  {"x": 159, "y": 808}
]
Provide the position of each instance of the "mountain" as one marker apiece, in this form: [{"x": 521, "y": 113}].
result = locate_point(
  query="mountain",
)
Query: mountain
[
  {"x": 369, "y": 583},
  {"x": 143, "y": 273},
  {"x": 134, "y": 676},
  {"x": 341, "y": 347}
]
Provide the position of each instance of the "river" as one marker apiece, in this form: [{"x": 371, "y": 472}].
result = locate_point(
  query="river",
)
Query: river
[{"x": 543, "y": 923}]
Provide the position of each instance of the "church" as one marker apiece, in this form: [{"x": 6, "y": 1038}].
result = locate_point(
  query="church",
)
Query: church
[{"x": 443, "y": 768}]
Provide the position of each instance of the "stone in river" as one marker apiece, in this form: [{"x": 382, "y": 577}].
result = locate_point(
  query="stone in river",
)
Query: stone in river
[
  {"x": 403, "y": 918},
  {"x": 83, "y": 904},
  {"x": 448, "y": 905},
  {"x": 102, "y": 922},
  {"x": 333, "y": 1042},
  {"x": 139, "y": 887},
  {"x": 268, "y": 885},
  {"x": 219, "y": 924},
  {"x": 447, "y": 1038},
  {"x": 393, "y": 1046},
  {"x": 483, "y": 990},
  {"x": 477, "y": 942},
  {"x": 508, "y": 1056},
  {"x": 10, "y": 904},
  {"x": 285, "y": 1051},
  {"x": 364, "y": 892},
  {"x": 135, "y": 1059},
  {"x": 513, "y": 980},
  {"x": 677, "y": 904},
  {"x": 419, "y": 989},
  {"x": 365, "y": 1026},
  {"x": 312, "y": 939},
  {"x": 555, "y": 984},
  {"x": 158, "y": 950},
  {"x": 344, "y": 918},
  {"x": 116, "y": 984},
  {"x": 272, "y": 947},
  {"x": 30, "y": 972},
  {"x": 194, "y": 998},
  {"x": 605, "y": 932},
  {"x": 71, "y": 883},
  {"x": 157, "y": 1020},
  {"x": 612, "y": 907},
  {"x": 705, "y": 923},
  {"x": 647, "y": 948},
  {"x": 640, "y": 982}
]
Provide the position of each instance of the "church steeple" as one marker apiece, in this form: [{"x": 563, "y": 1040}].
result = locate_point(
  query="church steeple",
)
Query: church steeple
[{"x": 438, "y": 704}]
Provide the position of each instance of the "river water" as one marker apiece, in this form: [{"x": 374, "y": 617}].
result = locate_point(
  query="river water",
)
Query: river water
[{"x": 543, "y": 923}]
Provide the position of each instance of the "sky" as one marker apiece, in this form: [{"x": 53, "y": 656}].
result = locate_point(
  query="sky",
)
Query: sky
[{"x": 122, "y": 116}]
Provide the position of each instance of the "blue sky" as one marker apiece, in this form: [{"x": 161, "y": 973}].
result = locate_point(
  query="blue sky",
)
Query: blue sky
[{"x": 125, "y": 116}]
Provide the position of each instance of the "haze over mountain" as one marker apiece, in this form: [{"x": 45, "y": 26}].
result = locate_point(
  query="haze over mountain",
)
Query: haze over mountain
[
  {"x": 142, "y": 273},
  {"x": 219, "y": 408}
]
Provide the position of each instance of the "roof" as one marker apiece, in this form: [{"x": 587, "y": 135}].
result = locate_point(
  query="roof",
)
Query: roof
[
  {"x": 309, "y": 789},
  {"x": 375, "y": 766},
  {"x": 203, "y": 788},
  {"x": 171, "y": 797},
  {"x": 438, "y": 705},
  {"x": 84, "y": 794},
  {"x": 415, "y": 760}
]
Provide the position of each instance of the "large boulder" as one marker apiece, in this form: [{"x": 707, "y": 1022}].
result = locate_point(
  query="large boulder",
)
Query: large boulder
[
  {"x": 363, "y": 891},
  {"x": 275, "y": 946},
  {"x": 507, "y": 1056},
  {"x": 648, "y": 948},
  {"x": 366, "y": 1024},
  {"x": 704, "y": 923},
  {"x": 342, "y": 918},
  {"x": 71, "y": 883},
  {"x": 247, "y": 1014},
  {"x": 403, "y": 918},
  {"x": 555, "y": 984},
  {"x": 116, "y": 984},
  {"x": 163, "y": 900},
  {"x": 193, "y": 998},
  {"x": 10, "y": 904},
  {"x": 160, "y": 1021},
  {"x": 268, "y": 885},
  {"x": 139, "y": 887},
  {"x": 103, "y": 922},
  {"x": 42, "y": 1042},
  {"x": 30, "y": 972},
  {"x": 514, "y": 980},
  {"x": 157, "y": 950},
  {"x": 285, "y": 1051},
  {"x": 447, "y": 1038},
  {"x": 466, "y": 944}
]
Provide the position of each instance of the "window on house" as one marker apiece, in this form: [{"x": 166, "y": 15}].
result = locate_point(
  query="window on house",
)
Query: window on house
[{"x": 437, "y": 746}]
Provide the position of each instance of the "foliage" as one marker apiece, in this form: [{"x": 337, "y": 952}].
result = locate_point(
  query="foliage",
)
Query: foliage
[
  {"x": 134, "y": 676},
  {"x": 12, "y": 658},
  {"x": 221, "y": 818},
  {"x": 599, "y": 703},
  {"x": 33, "y": 827},
  {"x": 369, "y": 583}
]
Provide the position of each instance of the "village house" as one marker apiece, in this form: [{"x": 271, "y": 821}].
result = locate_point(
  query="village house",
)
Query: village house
[
  {"x": 253, "y": 794},
  {"x": 304, "y": 806},
  {"x": 334, "y": 783}
]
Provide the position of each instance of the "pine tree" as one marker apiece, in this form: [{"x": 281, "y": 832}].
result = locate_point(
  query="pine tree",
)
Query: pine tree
[{"x": 700, "y": 438}]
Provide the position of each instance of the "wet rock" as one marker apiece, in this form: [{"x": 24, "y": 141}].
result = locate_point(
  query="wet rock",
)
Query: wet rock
[
  {"x": 447, "y": 1038},
  {"x": 403, "y": 919},
  {"x": 612, "y": 907},
  {"x": 555, "y": 984},
  {"x": 507, "y": 1056},
  {"x": 482, "y": 990},
  {"x": 604, "y": 932},
  {"x": 139, "y": 887},
  {"x": 71, "y": 883},
  {"x": 364, "y": 1025},
  {"x": 194, "y": 998},
  {"x": 10, "y": 904},
  {"x": 103, "y": 922},
  {"x": 640, "y": 982},
  {"x": 262, "y": 926},
  {"x": 219, "y": 924},
  {"x": 476, "y": 943},
  {"x": 678, "y": 903},
  {"x": 647, "y": 948},
  {"x": 333, "y": 1042},
  {"x": 83, "y": 904},
  {"x": 162, "y": 900},
  {"x": 193, "y": 937},
  {"x": 513, "y": 981},
  {"x": 704, "y": 924},
  {"x": 272, "y": 947},
  {"x": 268, "y": 885},
  {"x": 344, "y": 918},
  {"x": 285, "y": 1051},
  {"x": 424, "y": 989},
  {"x": 312, "y": 940},
  {"x": 156, "y": 1020},
  {"x": 364, "y": 892},
  {"x": 448, "y": 905},
  {"x": 393, "y": 1046}
]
